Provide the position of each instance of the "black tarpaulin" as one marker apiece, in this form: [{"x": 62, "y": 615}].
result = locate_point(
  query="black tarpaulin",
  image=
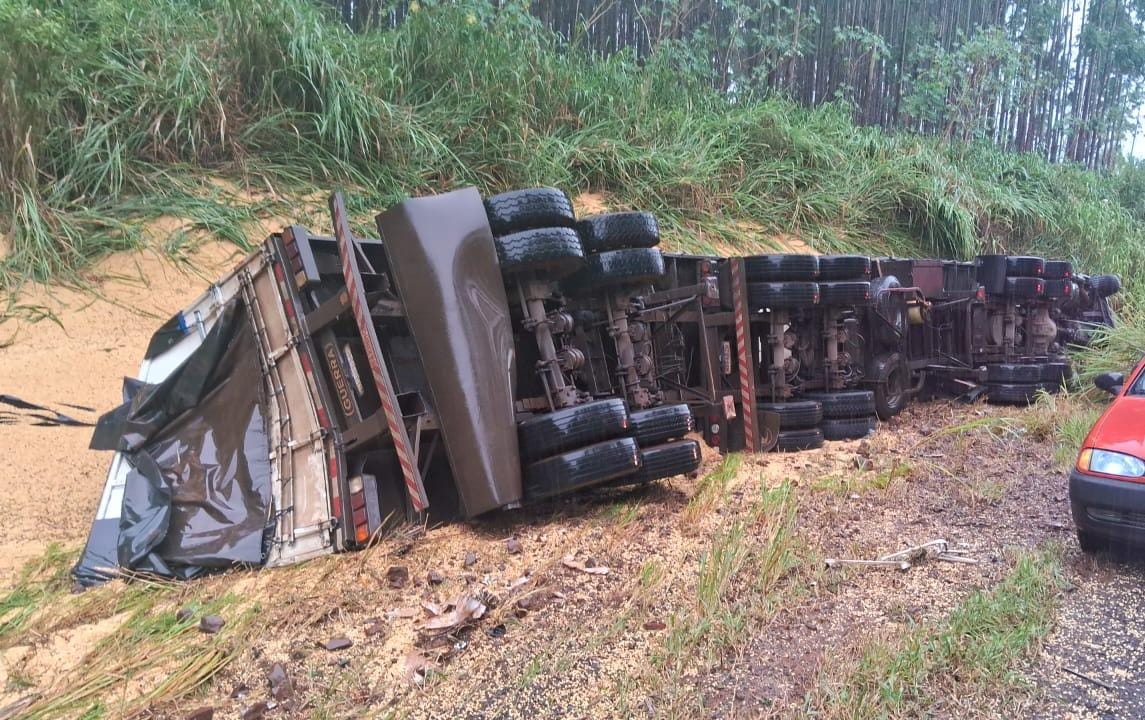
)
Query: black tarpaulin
[{"x": 198, "y": 494}]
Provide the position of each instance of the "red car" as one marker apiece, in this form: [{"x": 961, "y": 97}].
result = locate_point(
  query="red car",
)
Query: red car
[{"x": 1107, "y": 484}]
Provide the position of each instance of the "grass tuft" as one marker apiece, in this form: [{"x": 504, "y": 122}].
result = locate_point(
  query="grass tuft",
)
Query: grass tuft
[{"x": 973, "y": 654}]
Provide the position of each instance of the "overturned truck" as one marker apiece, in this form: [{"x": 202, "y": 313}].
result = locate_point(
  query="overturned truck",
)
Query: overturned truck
[{"x": 485, "y": 354}]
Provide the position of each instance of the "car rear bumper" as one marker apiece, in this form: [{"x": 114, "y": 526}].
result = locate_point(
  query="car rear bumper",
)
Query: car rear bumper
[{"x": 1113, "y": 509}]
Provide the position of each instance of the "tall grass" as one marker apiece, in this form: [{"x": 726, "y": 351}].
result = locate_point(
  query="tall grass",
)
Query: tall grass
[{"x": 108, "y": 107}]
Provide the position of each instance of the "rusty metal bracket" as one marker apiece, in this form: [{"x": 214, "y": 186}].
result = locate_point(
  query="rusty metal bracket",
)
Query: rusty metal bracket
[
  {"x": 348, "y": 249},
  {"x": 745, "y": 357}
]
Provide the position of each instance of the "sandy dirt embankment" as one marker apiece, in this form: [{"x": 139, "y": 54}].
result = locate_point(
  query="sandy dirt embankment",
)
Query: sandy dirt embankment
[{"x": 50, "y": 481}]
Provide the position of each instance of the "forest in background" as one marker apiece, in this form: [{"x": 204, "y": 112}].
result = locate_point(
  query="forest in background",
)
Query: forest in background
[
  {"x": 1062, "y": 78},
  {"x": 118, "y": 112}
]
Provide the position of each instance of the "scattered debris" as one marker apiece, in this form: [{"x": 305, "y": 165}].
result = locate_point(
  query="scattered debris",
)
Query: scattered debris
[
  {"x": 470, "y": 559},
  {"x": 513, "y": 546},
  {"x": 405, "y": 612},
  {"x": 588, "y": 566},
  {"x": 1090, "y": 678},
  {"x": 255, "y": 712},
  {"x": 906, "y": 559},
  {"x": 211, "y": 624},
  {"x": 497, "y": 631},
  {"x": 374, "y": 628},
  {"x": 464, "y": 610},
  {"x": 337, "y": 643},
  {"x": 417, "y": 666},
  {"x": 397, "y": 576},
  {"x": 240, "y": 691},
  {"x": 435, "y": 578},
  {"x": 281, "y": 688}
]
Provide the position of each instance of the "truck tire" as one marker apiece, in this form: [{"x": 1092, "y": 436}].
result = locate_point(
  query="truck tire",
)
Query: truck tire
[
  {"x": 844, "y": 267},
  {"x": 847, "y": 428},
  {"x": 1013, "y": 373},
  {"x": 795, "y": 414},
  {"x": 844, "y": 293},
  {"x": 1013, "y": 393},
  {"x": 1024, "y": 287},
  {"x": 616, "y": 231},
  {"x": 664, "y": 461},
  {"x": 795, "y": 440},
  {"x": 845, "y": 403},
  {"x": 782, "y": 295},
  {"x": 1058, "y": 270},
  {"x": 1025, "y": 266},
  {"x": 773, "y": 268},
  {"x": 659, "y": 424},
  {"x": 518, "y": 210},
  {"x": 554, "y": 251},
  {"x": 581, "y": 468},
  {"x": 545, "y": 435},
  {"x": 1056, "y": 372},
  {"x": 1105, "y": 285},
  {"x": 635, "y": 266},
  {"x": 1058, "y": 288},
  {"x": 891, "y": 395}
]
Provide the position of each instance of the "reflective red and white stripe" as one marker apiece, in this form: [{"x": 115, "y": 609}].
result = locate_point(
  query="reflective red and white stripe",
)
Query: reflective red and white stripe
[
  {"x": 346, "y": 249},
  {"x": 743, "y": 346}
]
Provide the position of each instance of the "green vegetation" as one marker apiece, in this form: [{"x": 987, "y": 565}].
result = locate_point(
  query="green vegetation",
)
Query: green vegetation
[
  {"x": 973, "y": 654},
  {"x": 116, "y": 111},
  {"x": 743, "y": 577}
]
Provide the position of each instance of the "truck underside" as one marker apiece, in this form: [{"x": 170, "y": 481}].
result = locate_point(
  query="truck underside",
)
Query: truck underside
[{"x": 488, "y": 353}]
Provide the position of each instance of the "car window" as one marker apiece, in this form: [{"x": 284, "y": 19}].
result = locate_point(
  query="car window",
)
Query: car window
[{"x": 1138, "y": 387}]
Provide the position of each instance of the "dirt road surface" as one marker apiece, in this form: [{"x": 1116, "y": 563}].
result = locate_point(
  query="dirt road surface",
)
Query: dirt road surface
[{"x": 1093, "y": 667}]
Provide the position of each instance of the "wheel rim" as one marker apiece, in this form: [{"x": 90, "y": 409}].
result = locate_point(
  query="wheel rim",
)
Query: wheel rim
[{"x": 894, "y": 387}]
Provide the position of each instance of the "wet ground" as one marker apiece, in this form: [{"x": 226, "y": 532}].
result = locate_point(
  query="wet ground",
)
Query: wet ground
[{"x": 1093, "y": 667}]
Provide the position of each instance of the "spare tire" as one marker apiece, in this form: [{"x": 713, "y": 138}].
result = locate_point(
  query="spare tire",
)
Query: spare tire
[
  {"x": 656, "y": 425},
  {"x": 1105, "y": 285},
  {"x": 1058, "y": 270},
  {"x": 772, "y": 268},
  {"x": 527, "y": 209},
  {"x": 777, "y": 295},
  {"x": 664, "y": 461},
  {"x": 795, "y": 414},
  {"x": 845, "y": 403},
  {"x": 1014, "y": 393},
  {"x": 795, "y": 440},
  {"x": 635, "y": 266},
  {"x": 1013, "y": 373},
  {"x": 553, "y": 251},
  {"x": 847, "y": 428},
  {"x": 615, "y": 231},
  {"x": 1024, "y": 287},
  {"x": 1025, "y": 266},
  {"x": 844, "y": 293},
  {"x": 844, "y": 267},
  {"x": 543, "y": 435},
  {"x": 581, "y": 468}
]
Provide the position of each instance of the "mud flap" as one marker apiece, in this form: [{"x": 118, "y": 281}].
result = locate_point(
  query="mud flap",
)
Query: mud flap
[{"x": 444, "y": 263}]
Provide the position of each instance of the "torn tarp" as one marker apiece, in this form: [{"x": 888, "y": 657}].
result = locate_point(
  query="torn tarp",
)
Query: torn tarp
[{"x": 198, "y": 494}]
